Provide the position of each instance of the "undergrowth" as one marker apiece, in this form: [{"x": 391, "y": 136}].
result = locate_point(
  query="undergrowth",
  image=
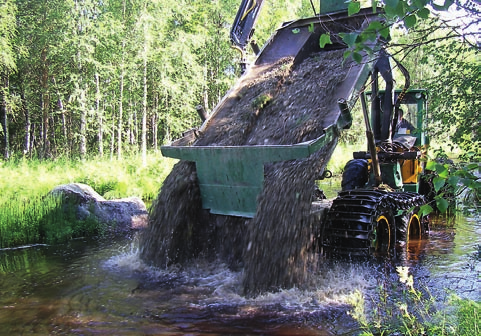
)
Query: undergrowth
[
  {"x": 29, "y": 215},
  {"x": 414, "y": 311}
]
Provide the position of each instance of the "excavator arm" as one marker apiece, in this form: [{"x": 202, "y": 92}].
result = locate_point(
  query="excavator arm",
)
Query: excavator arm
[
  {"x": 243, "y": 26},
  {"x": 384, "y": 113},
  {"x": 245, "y": 20}
]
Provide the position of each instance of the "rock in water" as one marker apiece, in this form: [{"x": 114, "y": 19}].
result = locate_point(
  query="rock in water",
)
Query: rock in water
[{"x": 119, "y": 215}]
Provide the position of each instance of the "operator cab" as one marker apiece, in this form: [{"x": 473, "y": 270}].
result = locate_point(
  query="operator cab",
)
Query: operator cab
[
  {"x": 414, "y": 111},
  {"x": 414, "y": 107}
]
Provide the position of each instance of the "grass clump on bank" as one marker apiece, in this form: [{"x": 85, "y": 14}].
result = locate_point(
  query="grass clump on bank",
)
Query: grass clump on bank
[
  {"x": 29, "y": 215},
  {"x": 415, "y": 312}
]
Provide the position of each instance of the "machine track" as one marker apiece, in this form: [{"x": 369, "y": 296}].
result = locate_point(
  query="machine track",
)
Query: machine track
[{"x": 361, "y": 222}]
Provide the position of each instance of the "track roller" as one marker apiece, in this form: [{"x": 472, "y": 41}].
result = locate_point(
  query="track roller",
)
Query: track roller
[{"x": 363, "y": 222}]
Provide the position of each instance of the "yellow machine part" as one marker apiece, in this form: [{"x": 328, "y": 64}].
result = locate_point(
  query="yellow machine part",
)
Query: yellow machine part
[{"x": 410, "y": 170}]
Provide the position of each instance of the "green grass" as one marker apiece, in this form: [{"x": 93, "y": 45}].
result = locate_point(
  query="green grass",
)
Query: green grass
[
  {"x": 405, "y": 309},
  {"x": 342, "y": 154},
  {"x": 469, "y": 317},
  {"x": 28, "y": 216}
]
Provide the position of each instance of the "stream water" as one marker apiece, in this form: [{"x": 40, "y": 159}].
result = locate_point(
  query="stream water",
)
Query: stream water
[{"x": 101, "y": 287}]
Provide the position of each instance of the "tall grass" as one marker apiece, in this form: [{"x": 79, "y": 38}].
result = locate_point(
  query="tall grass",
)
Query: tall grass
[
  {"x": 342, "y": 154},
  {"x": 406, "y": 309},
  {"x": 28, "y": 215}
]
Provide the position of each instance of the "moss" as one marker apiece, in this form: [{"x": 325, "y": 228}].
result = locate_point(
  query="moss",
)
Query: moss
[{"x": 261, "y": 101}]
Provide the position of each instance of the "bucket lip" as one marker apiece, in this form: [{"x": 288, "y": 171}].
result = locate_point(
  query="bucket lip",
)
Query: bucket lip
[{"x": 331, "y": 17}]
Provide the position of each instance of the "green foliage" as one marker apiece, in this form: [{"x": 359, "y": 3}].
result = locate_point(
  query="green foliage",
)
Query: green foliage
[
  {"x": 468, "y": 314},
  {"x": 403, "y": 309},
  {"x": 325, "y": 39},
  {"x": 41, "y": 219},
  {"x": 58, "y": 222},
  {"x": 446, "y": 64},
  {"x": 7, "y": 33},
  {"x": 95, "y": 78},
  {"x": 28, "y": 215},
  {"x": 353, "y": 8},
  {"x": 86, "y": 69},
  {"x": 454, "y": 182},
  {"x": 455, "y": 85},
  {"x": 440, "y": 59},
  {"x": 261, "y": 101},
  {"x": 395, "y": 12}
]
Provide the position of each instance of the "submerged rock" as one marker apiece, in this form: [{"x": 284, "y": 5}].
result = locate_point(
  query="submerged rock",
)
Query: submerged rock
[{"x": 118, "y": 215}]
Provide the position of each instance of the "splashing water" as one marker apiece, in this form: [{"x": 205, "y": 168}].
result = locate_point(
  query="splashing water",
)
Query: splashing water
[{"x": 275, "y": 248}]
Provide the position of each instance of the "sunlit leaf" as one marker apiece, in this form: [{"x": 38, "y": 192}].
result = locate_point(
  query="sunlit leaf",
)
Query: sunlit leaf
[
  {"x": 311, "y": 28},
  {"x": 353, "y": 8},
  {"x": 375, "y": 25},
  {"x": 425, "y": 209},
  {"x": 453, "y": 180},
  {"x": 324, "y": 39},
  {"x": 442, "y": 170},
  {"x": 385, "y": 32},
  {"x": 467, "y": 182},
  {"x": 375, "y": 28},
  {"x": 369, "y": 35},
  {"x": 398, "y": 11},
  {"x": 391, "y": 3},
  {"x": 476, "y": 185},
  {"x": 431, "y": 165},
  {"x": 420, "y": 3}
]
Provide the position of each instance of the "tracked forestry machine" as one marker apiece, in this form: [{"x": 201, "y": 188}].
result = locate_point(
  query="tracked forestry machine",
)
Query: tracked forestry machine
[{"x": 382, "y": 190}]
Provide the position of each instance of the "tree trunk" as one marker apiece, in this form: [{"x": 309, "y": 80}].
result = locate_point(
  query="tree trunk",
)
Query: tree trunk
[
  {"x": 155, "y": 120},
  {"x": 100, "y": 133},
  {"x": 69, "y": 127},
  {"x": 130, "y": 126},
  {"x": 143, "y": 142},
  {"x": 112, "y": 132},
  {"x": 4, "y": 116},
  {"x": 28, "y": 124},
  {"x": 83, "y": 124},
  {"x": 121, "y": 97},
  {"x": 33, "y": 142},
  {"x": 45, "y": 105},
  {"x": 62, "y": 112}
]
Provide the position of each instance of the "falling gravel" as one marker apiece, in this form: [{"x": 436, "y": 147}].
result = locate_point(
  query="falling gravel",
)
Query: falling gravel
[{"x": 279, "y": 104}]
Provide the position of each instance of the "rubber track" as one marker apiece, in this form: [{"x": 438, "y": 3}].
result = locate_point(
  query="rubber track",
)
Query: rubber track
[{"x": 349, "y": 228}]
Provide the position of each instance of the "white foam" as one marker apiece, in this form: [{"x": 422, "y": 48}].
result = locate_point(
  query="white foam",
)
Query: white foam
[{"x": 213, "y": 283}]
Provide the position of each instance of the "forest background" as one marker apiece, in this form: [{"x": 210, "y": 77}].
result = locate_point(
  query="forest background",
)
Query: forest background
[
  {"x": 88, "y": 78},
  {"x": 90, "y": 89}
]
